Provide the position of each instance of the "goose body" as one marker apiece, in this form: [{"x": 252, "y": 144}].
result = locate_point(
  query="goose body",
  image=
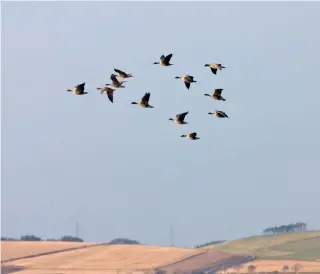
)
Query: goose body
[
  {"x": 122, "y": 74},
  {"x": 217, "y": 94},
  {"x": 187, "y": 79},
  {"x": 78, "y": 89},
  {"x": 115, "y": 82},
  {"x": 108, "y": 91},
  {"x": 164, "y": 60},
  {"x": 179, "y": 120},
  {"x": 144, "y": 103},
  {"x": 219, "y": 114},
  {"x": 191, "y": 136},
  {"x": 215, "y": 67}
]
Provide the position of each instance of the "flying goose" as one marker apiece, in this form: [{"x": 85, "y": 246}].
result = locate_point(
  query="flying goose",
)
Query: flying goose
[
  {"x": 191, "y": 136},
  {"x": 164, "y": 60},
  {"x": 215, "y": 67},
  {"x": 187, "y": 79},
  {"x": 180, "y": 118},
  {"x": 108, "y": 91},
  {"x": 122, "y": 74},
  {"x": 217, "y": 94},
  {"x": 219, "y": 114},
  {"x": 144, "y": 103},
  {"x": 78, "y": 89},
  {"x": 115, "y": 82}
]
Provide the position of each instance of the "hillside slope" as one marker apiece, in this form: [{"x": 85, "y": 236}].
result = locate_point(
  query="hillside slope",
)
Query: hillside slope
[
  {"x": 289, "y": 246},
  {"x": 105, "y": 259}
]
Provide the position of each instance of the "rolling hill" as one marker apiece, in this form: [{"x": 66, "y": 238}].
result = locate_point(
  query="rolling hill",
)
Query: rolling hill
[
  {"x": 103, "y": 258},
  {"x": 289, "y": 246},
  {"x": 266, "y": 253}
]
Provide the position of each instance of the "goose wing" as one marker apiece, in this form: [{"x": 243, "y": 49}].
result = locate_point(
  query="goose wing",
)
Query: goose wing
[
  {"x": 162, "y": 57},
  {"x": 181, "y": 116},
  {"x": 114, "y": 79},
  {"x": 218, "y": 91},
  {"x": 120, "y": 71},
  {"x": 81, "y": 86},
  {"x": 222, "y": 113},
  {"x": 110, "y": 94},
  {"x": 190, "y": 77},
  {"x": 167, "y": 58},
  {"x": 193, "y": 134},
  {"x": 145, "y": 98},
  {"x": 214, "y": 70},
  {"x": 187, "y": 84}
]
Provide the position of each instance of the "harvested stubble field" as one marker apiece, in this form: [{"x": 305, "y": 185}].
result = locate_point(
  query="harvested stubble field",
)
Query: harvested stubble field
[
  {"x": 276, "y": 265},
  {"x": 19, "y": 249},
  {"x": 202, "y": 261},
  {"x": 105, "y": 259}
]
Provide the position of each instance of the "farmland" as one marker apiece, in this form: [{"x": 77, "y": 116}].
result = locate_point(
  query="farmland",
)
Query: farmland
[
  {"x": 289, "y": 246},
  {"x": 266, "y": 253},
  {"x": 17, "y": 249},
  {"x": 106, "y": 258},
  {"x": 277, "y": 265}
]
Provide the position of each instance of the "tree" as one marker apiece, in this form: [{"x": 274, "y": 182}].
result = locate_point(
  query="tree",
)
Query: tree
[
  {"x": 297, "y": 227},
  {"x": 71, "y": 239},
  {"x": 123, "y": 241},
  {"x": 252, "y": 268},
  {"x": 285, "y": 268},
  {"x": 210, "y": 243},
  {"x": 8, "y": 239},
  {"x": 29, "y": 237}
]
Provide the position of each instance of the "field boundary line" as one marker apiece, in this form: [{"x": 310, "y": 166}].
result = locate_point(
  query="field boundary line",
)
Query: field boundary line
[{"x": 49, "y": 253}]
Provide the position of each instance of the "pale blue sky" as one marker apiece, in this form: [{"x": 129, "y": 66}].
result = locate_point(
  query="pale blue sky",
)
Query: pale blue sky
[{"x": 123, "y": 171}]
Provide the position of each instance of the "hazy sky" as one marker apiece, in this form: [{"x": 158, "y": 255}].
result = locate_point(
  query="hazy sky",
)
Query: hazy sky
[{"x": 123, "y": 171}]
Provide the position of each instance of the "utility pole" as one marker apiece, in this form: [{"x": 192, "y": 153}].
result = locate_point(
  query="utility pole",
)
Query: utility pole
[
  {"x": 171, "y": 236},
  {"x": 77, "y": 229}
]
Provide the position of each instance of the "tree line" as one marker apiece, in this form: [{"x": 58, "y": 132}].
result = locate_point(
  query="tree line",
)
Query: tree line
[
  {"x": 210, "y": 243},
  {"x": 33, "y": 238},
  {"x": 289, "y": 228}
]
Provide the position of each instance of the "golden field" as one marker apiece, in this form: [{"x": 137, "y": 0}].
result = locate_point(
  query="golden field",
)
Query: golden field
[
  {"x": 105, "y": 259},
  {"x": 276, "y": 265},
  {"x": 18, "y": 249}
]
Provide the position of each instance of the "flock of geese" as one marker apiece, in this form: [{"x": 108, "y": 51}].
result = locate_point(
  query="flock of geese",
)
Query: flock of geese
[{"x": 144, "y": 101}]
